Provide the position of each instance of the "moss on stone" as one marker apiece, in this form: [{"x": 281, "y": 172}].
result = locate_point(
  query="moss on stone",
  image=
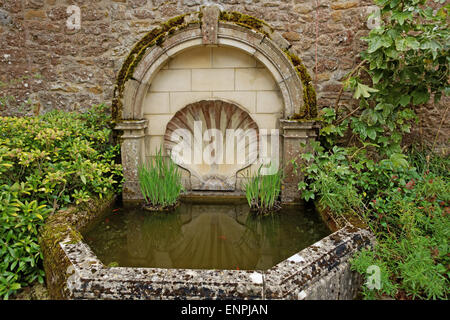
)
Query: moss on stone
[
  {"x": 246, "y": 21},
  {"x": 158, "y": 35},
  {"x": 331, "y": 219},
  {"x": 176, "y": 21},
  {"x": 309, "y": 109},
  {"x": 66, "y": 225}
]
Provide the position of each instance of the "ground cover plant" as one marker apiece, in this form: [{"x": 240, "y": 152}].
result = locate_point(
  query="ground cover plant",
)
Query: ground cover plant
[
  {"x": 401, "y": 193},
  {"x": 160, "y": 182},
  {"x": 47, "y": 163},
  {"x": 405, "y": 204}
]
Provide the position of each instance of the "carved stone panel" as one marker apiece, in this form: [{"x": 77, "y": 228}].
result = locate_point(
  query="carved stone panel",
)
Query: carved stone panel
[{"x": 213, "y": 140}]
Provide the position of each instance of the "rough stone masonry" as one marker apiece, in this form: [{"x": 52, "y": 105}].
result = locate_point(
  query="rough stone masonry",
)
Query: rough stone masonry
[{"x": 45, "y": 65}]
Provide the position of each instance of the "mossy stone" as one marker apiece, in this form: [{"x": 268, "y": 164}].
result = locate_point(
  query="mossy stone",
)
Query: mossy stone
[
  {"x": 66, "y": 225},
  {"x": 158, "y": 35}
]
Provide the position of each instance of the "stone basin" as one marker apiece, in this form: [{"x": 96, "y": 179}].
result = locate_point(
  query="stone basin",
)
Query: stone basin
[{"x": 320, "y": 271}]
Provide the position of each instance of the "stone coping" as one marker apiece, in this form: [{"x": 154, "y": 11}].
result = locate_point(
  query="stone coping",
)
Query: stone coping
[{"x": 89, "y": 278}]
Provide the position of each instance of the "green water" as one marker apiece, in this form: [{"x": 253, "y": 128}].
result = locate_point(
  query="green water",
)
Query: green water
[{"x": 202, "y": 235}]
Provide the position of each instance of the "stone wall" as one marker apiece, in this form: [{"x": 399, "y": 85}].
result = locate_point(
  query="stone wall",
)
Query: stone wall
[{"x": 46, "y": 66}]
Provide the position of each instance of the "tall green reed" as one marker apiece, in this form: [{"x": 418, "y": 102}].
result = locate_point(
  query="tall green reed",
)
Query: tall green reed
[
  {"x": 262, "y": 191},
  {"x": 160, "y": 181}
]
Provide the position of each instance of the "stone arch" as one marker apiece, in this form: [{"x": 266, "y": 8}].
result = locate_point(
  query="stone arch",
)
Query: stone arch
[
  {"x": 236, "y": 30},
  {"x": 209, "y": 27}
]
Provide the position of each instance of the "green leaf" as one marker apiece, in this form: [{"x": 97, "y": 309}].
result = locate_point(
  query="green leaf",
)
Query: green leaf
[
  {"x": 376, "y": 76},
  {"x": 308, "y": 195},
  {"x": 404, "y": 100},
  {"x": 431, "y": 45},
  {"x": 400, "y": 44},
  {"x": 363, "y": 91},
  {"x": 83, "y": 179},
  {"x": 401, "y": 17},
  {"x": 399, "y": 160},
  {"x": 15, "y": 286},
  {"x": 420, "y": 96},
  {"x": 377, "y": 42},
  {"x": 371, "y": 133},
  {"x": 412, "y": 43}
]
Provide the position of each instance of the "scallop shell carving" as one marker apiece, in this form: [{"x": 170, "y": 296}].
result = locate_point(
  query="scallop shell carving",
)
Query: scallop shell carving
[{"x": 213, "y": 140}]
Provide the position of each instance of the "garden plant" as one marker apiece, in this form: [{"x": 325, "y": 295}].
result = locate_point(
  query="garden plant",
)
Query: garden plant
[
  {"x": 401, "y": 192},
  {"x": 361, "y": 167},
  {"x": 160, "y": 183},
  {"x": 263, "y": 191},
  {"x": 47, "y": 163}
]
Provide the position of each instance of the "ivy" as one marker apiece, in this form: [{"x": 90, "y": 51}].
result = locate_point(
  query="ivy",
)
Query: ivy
[{"x": 405, "y": 65}]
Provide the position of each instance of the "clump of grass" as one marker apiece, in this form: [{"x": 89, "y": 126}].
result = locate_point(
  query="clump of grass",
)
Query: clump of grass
[
  {"x": 263, "y": 192},
  {"x": 160, "y": 182}
]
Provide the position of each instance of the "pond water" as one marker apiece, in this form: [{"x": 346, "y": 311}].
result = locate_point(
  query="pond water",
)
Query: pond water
[{"x": 204, "y": 235}]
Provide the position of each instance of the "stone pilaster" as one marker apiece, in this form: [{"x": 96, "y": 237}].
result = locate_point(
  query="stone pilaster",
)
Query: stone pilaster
[
  {"x": 133, "y": 148},
  {"x": 296, "y": 140}
]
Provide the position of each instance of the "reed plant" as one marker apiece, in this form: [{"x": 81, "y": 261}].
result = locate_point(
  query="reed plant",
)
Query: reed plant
[
  {"x": 160, "y": 182},
  {"x": 263, "y": 191}
]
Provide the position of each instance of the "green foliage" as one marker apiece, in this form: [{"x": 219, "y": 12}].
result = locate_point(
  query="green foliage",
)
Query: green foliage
[
  {"x": 160, "y": 181},
  {"x": 263, "y": 191},
  {"x": 47, "y": 163},
  {"x": 365, "y": 259},
  {"x": 407, "y": 61},
  {"x": 331, "y": 179},
  {"x": 405, "y": 207},
  {"x": 19, "y": 251},
  {"x": 404, "y": 199}
]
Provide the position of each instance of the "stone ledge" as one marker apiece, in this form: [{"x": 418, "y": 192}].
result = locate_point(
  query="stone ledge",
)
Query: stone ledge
[
  {"x": 131, "y": 125},
  {"x": 66, "y": 225}
]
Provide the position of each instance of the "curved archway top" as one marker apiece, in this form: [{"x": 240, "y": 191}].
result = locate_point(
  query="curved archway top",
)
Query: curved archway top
[{"x": 218, "y": 28}]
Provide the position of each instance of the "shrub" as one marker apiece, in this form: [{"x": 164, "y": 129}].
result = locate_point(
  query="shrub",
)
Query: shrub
[
  {"x": 263, "y": 191},
  {"x": 405, "y": 207},
  {"x": 405, "y": 66},
  {"x": 403, "y": 199},
  {"x": 46, "y": 163},
  {"x": 160, "y": 182}
]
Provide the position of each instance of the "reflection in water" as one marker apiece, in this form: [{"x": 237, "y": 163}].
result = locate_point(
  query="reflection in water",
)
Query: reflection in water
[{"x": 204, "y": 236}]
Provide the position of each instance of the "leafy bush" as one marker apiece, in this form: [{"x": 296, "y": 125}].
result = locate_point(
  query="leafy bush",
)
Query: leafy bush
[
  {"x": 47, "y": 163},
  {"x": 405, "y": 65},
  {"x": 160, "y": 182},
  {"x": 331, "y": 179},
  {"x": 409, "y": 217},
  {"x": 405, "y": 207},
  {"x": 404, "y": 199},
  {"x": 263, "y": 191}
]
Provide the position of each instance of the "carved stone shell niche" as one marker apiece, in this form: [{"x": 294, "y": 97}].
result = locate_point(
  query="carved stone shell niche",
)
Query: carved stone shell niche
[{"x": 213, "y": 140}]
